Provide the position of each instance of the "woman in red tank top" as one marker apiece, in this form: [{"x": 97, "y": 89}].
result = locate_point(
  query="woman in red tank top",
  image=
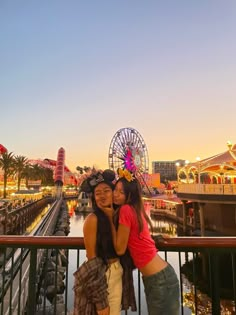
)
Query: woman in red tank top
[{"x": 159, "y": 278}]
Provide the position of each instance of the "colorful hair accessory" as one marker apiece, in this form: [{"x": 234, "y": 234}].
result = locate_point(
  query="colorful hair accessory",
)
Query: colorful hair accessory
[
  {"x": 96, "y": 179},
  {"x": 89, "y": 184},
  {"x": 126, "y": 174}
]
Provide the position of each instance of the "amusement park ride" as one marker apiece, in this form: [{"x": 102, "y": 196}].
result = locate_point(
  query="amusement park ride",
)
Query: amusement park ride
[
  {"x": 128, "y": 150},
  {"x": 62, "y": 174}
]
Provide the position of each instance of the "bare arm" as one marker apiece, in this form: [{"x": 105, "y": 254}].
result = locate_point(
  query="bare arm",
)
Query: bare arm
[
  {"x": 122, "y": 239},
  {"x": 90, "y": 235}
]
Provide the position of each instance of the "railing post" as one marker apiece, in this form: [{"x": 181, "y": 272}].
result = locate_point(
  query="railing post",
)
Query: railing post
[
  {"x": 215, "y": 284},
  {"x": 202, "y": 221},
  {"x": 31, "y": 304},
  {"x": 184, "y": 216}
]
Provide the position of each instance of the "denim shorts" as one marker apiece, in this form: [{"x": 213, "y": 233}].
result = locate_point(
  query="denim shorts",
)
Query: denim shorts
[{"x": 162, "y": 292}]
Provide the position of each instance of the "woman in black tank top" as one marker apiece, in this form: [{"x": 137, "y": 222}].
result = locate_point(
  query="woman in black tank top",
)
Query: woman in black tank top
[
  {"x": 104, "y": 246},
  {"x": 98, "y": 237}
]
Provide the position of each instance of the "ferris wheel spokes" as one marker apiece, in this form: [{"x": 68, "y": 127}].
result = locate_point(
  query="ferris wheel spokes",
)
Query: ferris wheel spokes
[{"x": 128, "y": 150}]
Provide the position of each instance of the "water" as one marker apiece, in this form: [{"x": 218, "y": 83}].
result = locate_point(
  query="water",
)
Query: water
[{"x": 204, "y": 304}]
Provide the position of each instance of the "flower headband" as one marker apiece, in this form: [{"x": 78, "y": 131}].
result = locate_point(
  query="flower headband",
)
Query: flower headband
[{"x": 126, "y": 174}]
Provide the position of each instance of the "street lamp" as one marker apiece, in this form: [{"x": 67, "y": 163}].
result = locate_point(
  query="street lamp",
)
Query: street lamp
[
  {"x": 186, "y": 168},
  {"x": 222, "y": 173},
  {"x": 199, "y": 170},
  {"x": 229, "y": 145},
  {"x": 177, "y": 170}
]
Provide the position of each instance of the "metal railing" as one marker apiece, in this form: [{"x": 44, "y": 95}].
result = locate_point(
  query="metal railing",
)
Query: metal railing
[{"x": 42, "y": 283}]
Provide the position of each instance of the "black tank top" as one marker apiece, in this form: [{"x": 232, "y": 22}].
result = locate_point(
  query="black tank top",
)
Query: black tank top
[{"x": 104, "y": 246}]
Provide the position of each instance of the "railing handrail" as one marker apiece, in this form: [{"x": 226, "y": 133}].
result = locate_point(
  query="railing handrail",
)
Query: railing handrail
[
  {"x": 43, "y": 241},
  {"x": 78, "y": 242},
  {"x": 212, "y": 246}
]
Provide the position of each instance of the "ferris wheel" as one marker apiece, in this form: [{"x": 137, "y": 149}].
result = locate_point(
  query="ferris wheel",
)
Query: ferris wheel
[{"x": 128, "y": 150}]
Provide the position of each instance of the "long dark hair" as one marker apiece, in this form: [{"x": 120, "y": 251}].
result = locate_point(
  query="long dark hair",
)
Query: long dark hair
[
  {"x": 133, "y": 197},
  {"x": 104, "y": 245}
]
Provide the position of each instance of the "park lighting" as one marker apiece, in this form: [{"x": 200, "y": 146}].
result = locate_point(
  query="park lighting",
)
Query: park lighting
[
  {"x": 229, "y": 145},
  {"x": 186, "y": 164},
  {"x": 177, "y": 169},
  {"x": 222, "y": 173},
  {"x": 199, "y": 170}
]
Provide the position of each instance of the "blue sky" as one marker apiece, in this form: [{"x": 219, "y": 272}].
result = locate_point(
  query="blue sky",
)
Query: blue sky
[{"x": 72, "y": 73}]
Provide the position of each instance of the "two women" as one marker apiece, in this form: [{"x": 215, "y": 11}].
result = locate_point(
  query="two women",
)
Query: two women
[
  {"x": 98, "y": 281},
  {"x": 159, "y": 278}
]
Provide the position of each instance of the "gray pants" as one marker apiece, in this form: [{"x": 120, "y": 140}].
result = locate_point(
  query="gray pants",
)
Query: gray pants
[{"x": 162, "y": 292}]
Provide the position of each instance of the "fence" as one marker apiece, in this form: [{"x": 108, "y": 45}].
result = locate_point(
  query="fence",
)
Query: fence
[{"x": 37, "y": 274}]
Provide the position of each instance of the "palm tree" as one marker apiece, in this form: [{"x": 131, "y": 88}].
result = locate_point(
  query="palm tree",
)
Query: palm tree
[
  {"x": 7, "y": 164},
  {"x": 19, "y": 165},
  {"x": 80, "y": 169},
  {"x": 47, "y": 179},
  {"x": 85, "y": 169},
  {"x": 27, "y": 173},
  {"x": 44, "y": 174},
  {"x": 37, "y": 172}
]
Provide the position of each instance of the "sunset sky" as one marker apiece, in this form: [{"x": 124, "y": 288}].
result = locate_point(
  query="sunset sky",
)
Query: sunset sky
[{"x": 73, "y": 72}]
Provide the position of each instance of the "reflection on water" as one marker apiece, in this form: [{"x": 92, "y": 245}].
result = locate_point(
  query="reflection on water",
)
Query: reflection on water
[
  {"x": 201, "y": 305},
  {"x": 37, "y": 221},
  {"x": 202, "y": 279}
]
